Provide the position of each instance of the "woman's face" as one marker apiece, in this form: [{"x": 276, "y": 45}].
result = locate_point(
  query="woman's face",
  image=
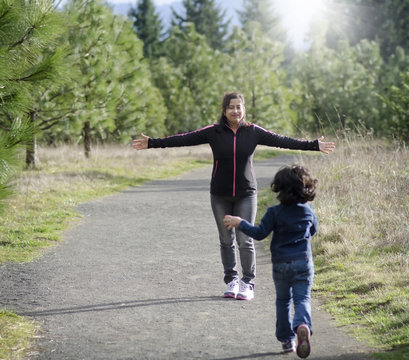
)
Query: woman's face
[{"x": 235, "y": 112}]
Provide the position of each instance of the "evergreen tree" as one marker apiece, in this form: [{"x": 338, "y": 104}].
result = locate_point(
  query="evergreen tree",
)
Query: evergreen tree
[
  {"x": 190, "y": 78},
  {"x": 339, "y": 87},
  {"x": 396, "y": 100},
  {"x": 147, "y": 26},
  {"x": 386, "y": 21},
  {"x": 26, "y": 28},
  {"x": 254, "y": 68},
  {"x": 140, "y": 106},
  {"x": 208, "y": 19},
  {"x": 110, "y": 94},
  {"x": 262, "y": 11},
  {"x": 18, "y": 135},
  {"x": 29, "y": 59}
]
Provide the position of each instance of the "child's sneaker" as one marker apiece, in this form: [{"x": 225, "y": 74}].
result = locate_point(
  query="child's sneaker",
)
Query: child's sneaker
[
  {"x": 288, "y": 346},
  {"x": 303, "y": 341},
  {"x": 232, "y": 289},
  {"x": 246, "y": 291}
]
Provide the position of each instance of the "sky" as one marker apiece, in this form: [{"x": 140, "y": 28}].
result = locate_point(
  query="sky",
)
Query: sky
[
  {"x": 162, "y": 2},
  {"x": 296, "y": 15}
]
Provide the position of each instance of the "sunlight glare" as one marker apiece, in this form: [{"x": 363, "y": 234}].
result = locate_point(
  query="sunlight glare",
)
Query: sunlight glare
[{"x": 297, "y": 15}]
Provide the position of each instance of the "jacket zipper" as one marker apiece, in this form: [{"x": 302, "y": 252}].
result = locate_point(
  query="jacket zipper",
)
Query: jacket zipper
[
  {"x": 234, "y": 165},
  {"x": 234, "y": 159}
]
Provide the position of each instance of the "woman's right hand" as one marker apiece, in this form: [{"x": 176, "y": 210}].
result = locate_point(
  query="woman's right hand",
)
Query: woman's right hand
[{"x": 140, "y": 144}]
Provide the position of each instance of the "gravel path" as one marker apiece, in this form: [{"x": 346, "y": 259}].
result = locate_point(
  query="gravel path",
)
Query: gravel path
[{"x": 140, "y": 277}]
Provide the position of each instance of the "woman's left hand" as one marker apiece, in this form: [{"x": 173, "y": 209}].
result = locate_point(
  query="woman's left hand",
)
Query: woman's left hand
[{"x": 325, "y": 147}]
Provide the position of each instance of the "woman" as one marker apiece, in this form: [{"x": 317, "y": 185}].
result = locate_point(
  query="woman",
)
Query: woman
[{"x": 233, "y": 187}]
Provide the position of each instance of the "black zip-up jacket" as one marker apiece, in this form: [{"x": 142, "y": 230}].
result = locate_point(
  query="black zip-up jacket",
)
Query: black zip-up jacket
[{"x": 233, "y": 151}]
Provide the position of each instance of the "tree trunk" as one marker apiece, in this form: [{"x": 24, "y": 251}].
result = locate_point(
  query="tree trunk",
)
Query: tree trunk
[
  {"x": 253, "y": 109},
  {"x": 86, "y": 132},
  {"x": 31, "y": 148}
]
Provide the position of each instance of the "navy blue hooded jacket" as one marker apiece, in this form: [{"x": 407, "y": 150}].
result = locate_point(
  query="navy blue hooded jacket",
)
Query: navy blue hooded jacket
[
  {"x": 233, "y": 151},
  {"x": 292, "y": 227}
]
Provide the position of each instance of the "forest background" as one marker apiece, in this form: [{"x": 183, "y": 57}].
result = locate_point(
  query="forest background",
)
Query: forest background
[
  {"x": 77, "y": 74},
  {"x": 81, "y": 74}
]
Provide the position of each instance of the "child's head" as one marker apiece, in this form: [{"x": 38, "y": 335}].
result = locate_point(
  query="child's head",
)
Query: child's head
[{"x": 294, "y": 184}]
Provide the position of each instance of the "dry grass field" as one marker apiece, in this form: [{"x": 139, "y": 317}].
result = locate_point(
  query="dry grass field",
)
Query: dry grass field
[{"x": 361, "y": 251}]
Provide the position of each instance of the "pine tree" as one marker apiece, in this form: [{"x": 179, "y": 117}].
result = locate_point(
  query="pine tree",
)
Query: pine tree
[
  {"x": 110, "y": 94},
  {"x": 262, "y": 11},
  {"x": 147, "y": 26},
  {"x": 14, "y": 139},
  {"x": 190, "y": 79},
  {"x": 208, "y": 19},
  {"x": 397, "y": 103},
  {"x": 386, "y": 21},
  {"x": 339, "y": 86},
  {"x": 268, "y": 99},
  {"x": 140, "y": 106},
  {"x": 27, "y": 28},
  {"x": 29, "y": 59}
]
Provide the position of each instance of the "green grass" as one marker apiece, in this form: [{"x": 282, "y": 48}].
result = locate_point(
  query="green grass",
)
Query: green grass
[
  {"x": 43, "y": 206},
  {"x": 16, "y": 335},
  {"x": 400, "y": 354},
  {"x": 361, "y": 251},
  {"x": 45, "y": 198}
]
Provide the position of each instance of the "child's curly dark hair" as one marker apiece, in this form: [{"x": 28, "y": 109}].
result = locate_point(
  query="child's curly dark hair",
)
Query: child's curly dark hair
[{"x": 294, "y": 184}]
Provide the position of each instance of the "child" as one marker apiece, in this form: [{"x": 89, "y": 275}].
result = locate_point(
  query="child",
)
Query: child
[{"x": 292, "y": 222}]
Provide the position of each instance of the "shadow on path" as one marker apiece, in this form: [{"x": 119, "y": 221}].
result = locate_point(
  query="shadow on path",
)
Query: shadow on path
[{"x": 121, "y": 305}]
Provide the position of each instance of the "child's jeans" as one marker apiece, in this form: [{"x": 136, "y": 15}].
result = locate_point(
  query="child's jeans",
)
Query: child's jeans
[
  {"x": 293, "y": 281},
  {"x": 246, "y": 208}
]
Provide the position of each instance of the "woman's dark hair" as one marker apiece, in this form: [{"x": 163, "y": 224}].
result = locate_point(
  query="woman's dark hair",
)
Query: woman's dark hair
[
  {"x": 225, "y": 103},
  {"x": 294, "y": 184}
]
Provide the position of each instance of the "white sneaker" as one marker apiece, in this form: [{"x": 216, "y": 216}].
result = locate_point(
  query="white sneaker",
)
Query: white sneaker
[
  {"x": 232, "y": 289},
  {"x": 246, "y": 291}
]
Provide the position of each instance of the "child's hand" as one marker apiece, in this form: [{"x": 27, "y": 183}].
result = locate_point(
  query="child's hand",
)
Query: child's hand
[{"x": 231, "y": 221}]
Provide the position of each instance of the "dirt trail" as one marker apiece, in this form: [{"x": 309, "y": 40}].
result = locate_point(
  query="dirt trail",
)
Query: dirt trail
[{"x": 140, "y": 277}]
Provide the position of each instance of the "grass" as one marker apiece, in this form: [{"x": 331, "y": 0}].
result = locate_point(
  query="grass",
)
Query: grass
[
  {"x": 43, "y": 205},
  {"x": 45, "y": 198},
  {"x": 361, "y": 252},
  {"x": 16, "y": 335}
]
